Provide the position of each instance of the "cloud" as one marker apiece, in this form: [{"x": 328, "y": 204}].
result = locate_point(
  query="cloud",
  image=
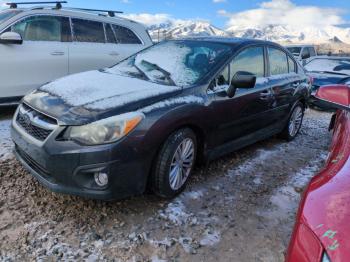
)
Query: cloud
[
  {"x": 150, "y": 19},
  {"x": 219, "y": 1},
  {"x": 283, "y": 12},
  {"x": 125, "y": 1},
  {"x": 3, "y": 4}
]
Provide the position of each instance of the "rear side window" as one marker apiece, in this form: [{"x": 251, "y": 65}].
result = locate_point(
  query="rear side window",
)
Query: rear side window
[
  {"x": 44, "y": 28},
  {"x": 88, "y": 31},
  {"x": 312, "y": 51},
  {"x": 110, "y": 34},
  {"x": 291, "y": 65},
  {"x": 249, "y": 60},
  {"x": 278, "y": 61},
  {"x": 125, "y": 35}
]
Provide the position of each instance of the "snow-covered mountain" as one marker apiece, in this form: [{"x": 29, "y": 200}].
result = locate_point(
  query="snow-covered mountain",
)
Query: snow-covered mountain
[
  {"x": 171, "y": 30},
  {"x": 289, "y": 34},
  {"x": 328, "y": 36}
]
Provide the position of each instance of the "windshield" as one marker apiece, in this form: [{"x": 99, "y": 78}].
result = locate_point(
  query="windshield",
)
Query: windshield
[
  {"x": 339, "y": 66},
  {"x": 180, "y": 63},
  {"x": 294, "y": 50},
  {"x": 7, "y": 14}
]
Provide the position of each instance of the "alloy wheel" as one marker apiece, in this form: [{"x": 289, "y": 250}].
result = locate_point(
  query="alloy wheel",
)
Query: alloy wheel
[
  {"x": 181, "y": 164},
  {"x": 295, "y": 121}
]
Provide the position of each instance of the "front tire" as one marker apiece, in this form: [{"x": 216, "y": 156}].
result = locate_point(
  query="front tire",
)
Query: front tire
[
  {"x": 294, "y": 123},
  {"x": 174, "y": 163}
]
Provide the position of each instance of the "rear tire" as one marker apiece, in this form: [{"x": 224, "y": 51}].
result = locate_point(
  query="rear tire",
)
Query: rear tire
[
  {"x": 174, "y": 163},
  {"x": 294, "y": 123}
]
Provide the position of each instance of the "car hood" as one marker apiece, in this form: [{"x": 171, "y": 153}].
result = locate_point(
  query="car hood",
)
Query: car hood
[
  {"x": 86, "y": 97},
  {"x": 326, "y": 203}
]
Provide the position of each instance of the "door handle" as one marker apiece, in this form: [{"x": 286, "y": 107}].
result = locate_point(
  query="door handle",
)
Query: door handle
[
  {"x": 266, "y": 94},
  {"x": 57, "y": 53},
  {"x": 114, "y": 54}
]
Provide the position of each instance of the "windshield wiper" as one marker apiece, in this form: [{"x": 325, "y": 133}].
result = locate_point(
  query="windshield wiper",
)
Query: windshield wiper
[
  {"x": 166, "y": 73},
  {"x": 141, "y": 72}
]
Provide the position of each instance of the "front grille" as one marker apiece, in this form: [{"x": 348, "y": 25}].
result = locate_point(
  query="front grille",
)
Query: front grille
[{"x": 27, "y": 118}]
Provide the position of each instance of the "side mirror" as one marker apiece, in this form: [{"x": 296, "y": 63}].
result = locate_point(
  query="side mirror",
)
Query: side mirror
[
  {"x": 241, "y": 80},
  {"x": 334, "y": 96},
  {"x": 11, "y": 38}
]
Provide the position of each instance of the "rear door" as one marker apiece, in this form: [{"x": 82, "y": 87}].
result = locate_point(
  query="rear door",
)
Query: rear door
[
  {"x": 284, "y": 81},
  {"x": 247, "y": 111},
  {"x": 41, "y": 58},
  {"x": 89, "y": 50}
]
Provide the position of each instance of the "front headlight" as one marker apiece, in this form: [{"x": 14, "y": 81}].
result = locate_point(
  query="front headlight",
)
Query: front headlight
[
  {"x": 325, "y": 258},
  {"x": 105, "y": 131}
]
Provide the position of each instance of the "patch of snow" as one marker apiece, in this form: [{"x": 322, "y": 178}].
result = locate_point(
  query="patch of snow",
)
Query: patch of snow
[
  {"x": 327, "y": 64},
  {"x": 169, "y": 56},
  {"x": 288, "y": 76},
  {"x": 194, "y": 195},
  {"x": 156, "y": 259},
  {"x": 171, "y": 102},
  {"x": 175, "y": 213},
  {"x": 210, "y": 238},
  {"x": 6, "y": 144},
  {"x": 99, "y": 90},
  {"x": 186, "y": 243}
]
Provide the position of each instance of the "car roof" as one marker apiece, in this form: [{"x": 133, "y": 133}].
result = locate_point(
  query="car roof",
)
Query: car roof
[{"x": 94, "y": 15}]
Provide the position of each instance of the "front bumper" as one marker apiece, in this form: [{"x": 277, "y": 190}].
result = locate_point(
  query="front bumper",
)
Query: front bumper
[{"x": 66, "y": 167}]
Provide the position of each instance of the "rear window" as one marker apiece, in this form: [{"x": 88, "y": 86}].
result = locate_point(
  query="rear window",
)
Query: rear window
[
  {"x": 125, "y": 35},
  {"x": 88, "y": 31},
  {"x": 278, "y": 61},
  {"x": 294, "y": 50}
]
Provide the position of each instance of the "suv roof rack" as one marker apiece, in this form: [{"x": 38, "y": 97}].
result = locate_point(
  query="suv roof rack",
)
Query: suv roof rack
[
  {"x": 14, "y": 5},
  {"x": 111, "y": 13}
]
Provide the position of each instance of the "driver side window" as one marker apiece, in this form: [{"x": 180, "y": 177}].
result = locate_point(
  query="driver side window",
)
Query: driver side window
[{"x": 250, "y": 60}]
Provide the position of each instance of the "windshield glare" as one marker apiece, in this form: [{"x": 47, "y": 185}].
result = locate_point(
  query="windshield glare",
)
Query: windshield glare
[
  {"x": 294, "y": 50},
  {"x": 341, "y": 66},
  {"x": 7, "y": 14},
  {"x": 180, "y": 63}
]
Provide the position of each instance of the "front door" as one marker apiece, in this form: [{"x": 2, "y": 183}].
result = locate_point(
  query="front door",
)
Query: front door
[
  {"x": 41, "y": 58},
  {"x": 247, "y": 111}
]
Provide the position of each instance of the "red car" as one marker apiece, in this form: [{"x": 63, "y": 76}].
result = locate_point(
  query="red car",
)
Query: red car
[{"x": 322, "y": 229}]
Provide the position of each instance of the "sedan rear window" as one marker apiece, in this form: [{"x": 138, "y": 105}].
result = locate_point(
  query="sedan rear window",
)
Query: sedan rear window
[
  {"x": 88, "y": 31},
  {"x": 180, "y": 63}
]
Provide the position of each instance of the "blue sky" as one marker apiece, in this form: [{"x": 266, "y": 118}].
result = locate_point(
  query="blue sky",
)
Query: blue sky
[
  {"x": 201, "y": 9},
  {"x": 223, "y": 13}
]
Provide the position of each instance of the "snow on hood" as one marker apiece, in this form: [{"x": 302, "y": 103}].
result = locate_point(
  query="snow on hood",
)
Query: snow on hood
[{"x": 99, "y": 90}]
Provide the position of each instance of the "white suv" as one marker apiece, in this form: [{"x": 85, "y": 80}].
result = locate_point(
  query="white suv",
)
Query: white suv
[
  {"x": 302, "y": 53},
  {"x": 40, "y": 44}
]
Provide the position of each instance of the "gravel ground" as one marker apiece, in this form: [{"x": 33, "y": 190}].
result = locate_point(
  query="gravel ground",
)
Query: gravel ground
[{"x": 238, "y": 208}]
